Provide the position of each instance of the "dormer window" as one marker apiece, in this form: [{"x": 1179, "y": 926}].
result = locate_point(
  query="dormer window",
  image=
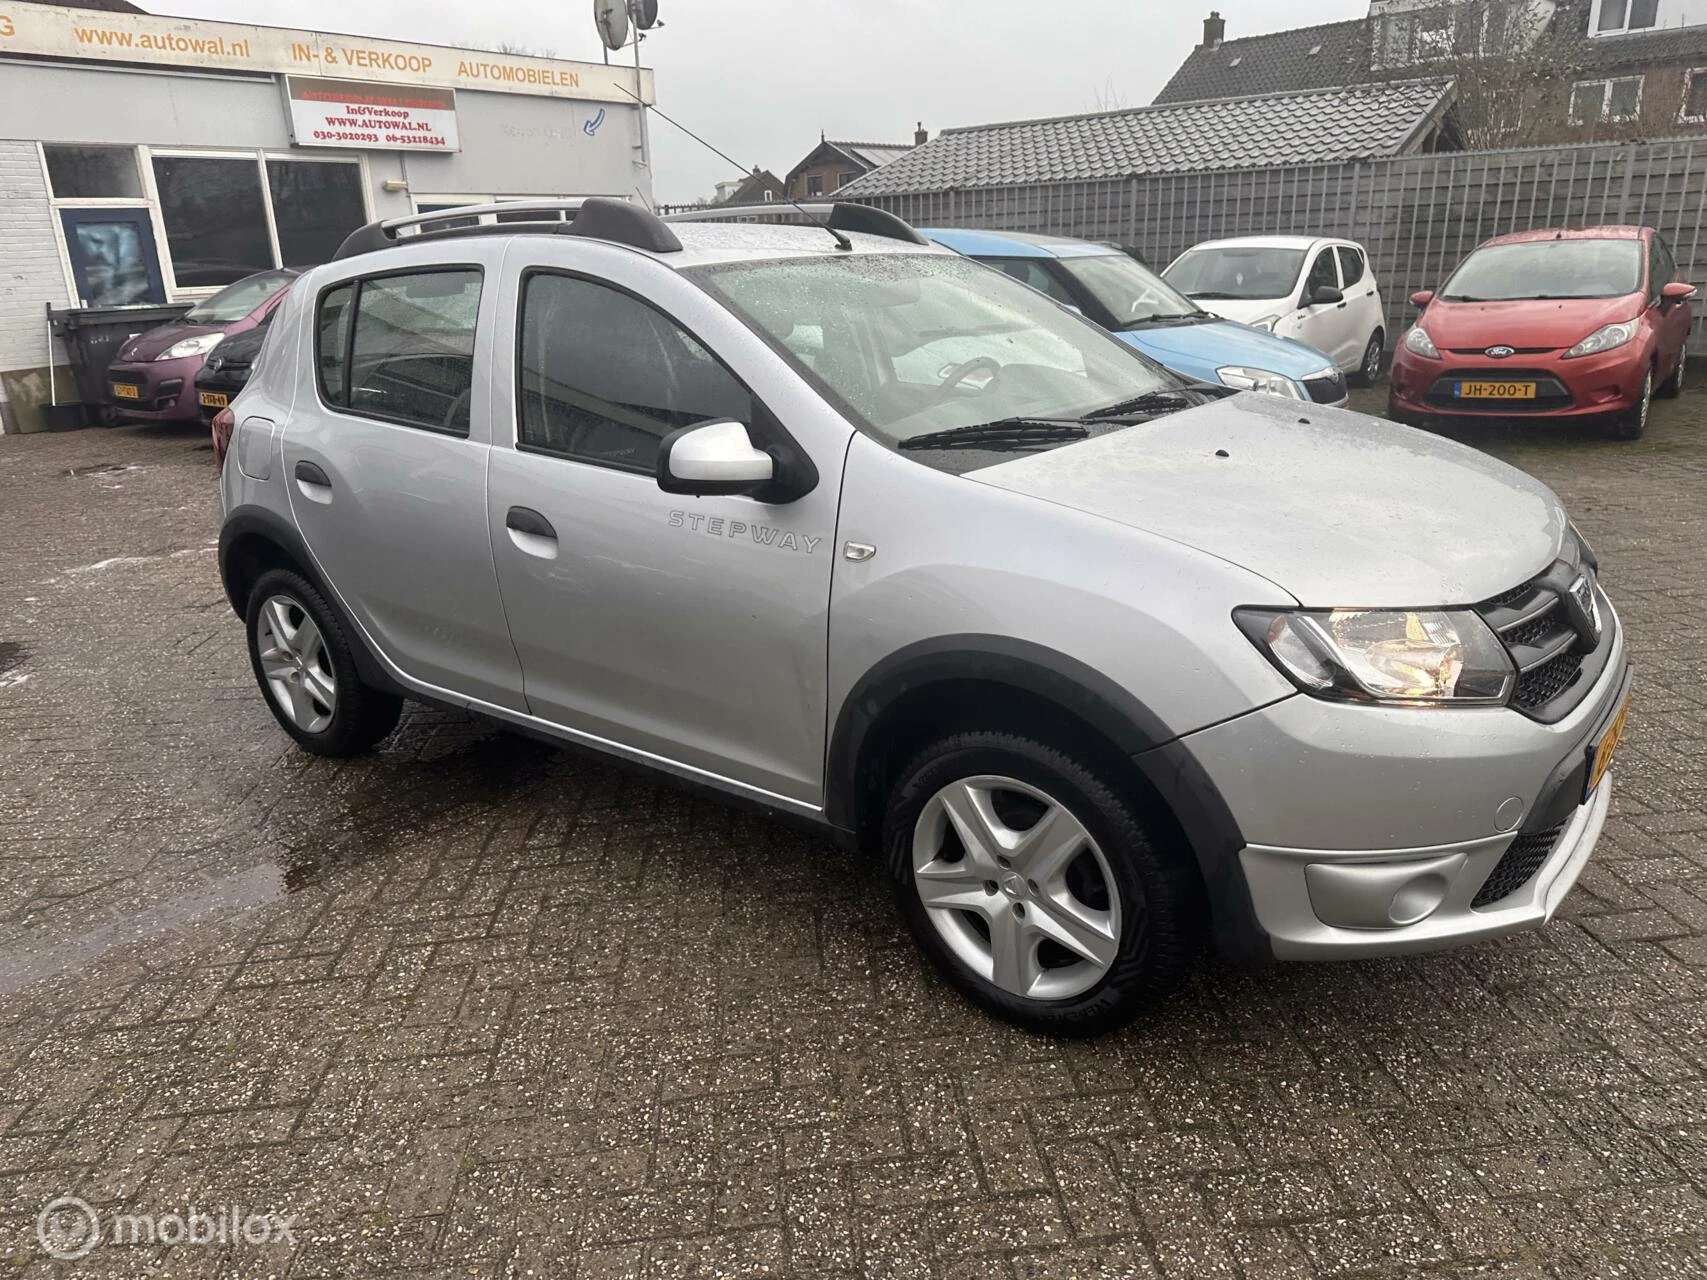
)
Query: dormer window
[{"x": 1626, "y": 15}]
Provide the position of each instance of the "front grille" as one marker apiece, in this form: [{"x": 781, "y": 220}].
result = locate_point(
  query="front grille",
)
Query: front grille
[
  {"x": 1549, "y": 637},
  {"x": 1516, "y": 351},
  {"x": 1327, "y": 389},
  {"x": 1518, "y": 865},
  {"x": 1550, "y": 394}
]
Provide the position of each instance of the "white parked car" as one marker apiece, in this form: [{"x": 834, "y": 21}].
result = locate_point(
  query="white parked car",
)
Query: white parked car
[{"x": 1321, "y": 292}]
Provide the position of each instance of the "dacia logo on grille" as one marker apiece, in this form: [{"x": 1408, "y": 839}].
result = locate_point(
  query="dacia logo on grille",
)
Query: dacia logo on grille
[
  {"x": 1501, "y": 353},
  {"x": 1588, "y": 608}
]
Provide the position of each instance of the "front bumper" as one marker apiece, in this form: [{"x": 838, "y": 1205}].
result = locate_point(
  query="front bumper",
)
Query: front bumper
[
  {"x": 1364, "y": 830},
  {"x": 165, "y": 389},
  {"x": 1587, "y": 388}
]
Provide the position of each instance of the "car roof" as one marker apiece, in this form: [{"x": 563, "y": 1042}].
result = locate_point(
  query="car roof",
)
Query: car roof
[
  {"x": 706, "y": 243},
  {"x": 1611, "y": 232},
  {"x": 984, "y": 243},
  {"x": 1273, "y": 242}
]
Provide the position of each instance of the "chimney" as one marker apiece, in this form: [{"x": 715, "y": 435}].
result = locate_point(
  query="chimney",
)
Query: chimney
[
  {"x": 921, "y": 135},
  {"x": 1214, "y": 30}
]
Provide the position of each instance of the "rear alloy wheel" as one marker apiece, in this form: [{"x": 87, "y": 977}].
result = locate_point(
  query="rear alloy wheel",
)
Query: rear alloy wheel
[
  {"x": 1370, "y": 369},
  {"x": 1672, "y": 387},
  {"x": 304, "y": 665},
  {"x": 1633, "y": 422},
  {"x": 1033, "y": 887}
]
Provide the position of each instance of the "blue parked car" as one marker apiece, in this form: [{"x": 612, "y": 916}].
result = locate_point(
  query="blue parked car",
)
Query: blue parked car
[{"x": 1139, "y": 307}]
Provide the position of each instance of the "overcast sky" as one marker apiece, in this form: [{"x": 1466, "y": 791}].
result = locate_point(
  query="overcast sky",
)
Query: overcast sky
[{"x": 761, "y": 78}]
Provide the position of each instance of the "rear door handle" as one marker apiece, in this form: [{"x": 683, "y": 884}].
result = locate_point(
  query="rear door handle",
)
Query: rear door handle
[
  {"x": 531, "y": 532},
  {"x": 313, "y": 482}
]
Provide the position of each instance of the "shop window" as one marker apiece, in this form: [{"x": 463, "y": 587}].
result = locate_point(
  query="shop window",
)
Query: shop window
[
  {"x": 605, "y": 377},
  {"x": 410, "y": 357},
  {"x": 315, "y": 205},
  {"x": 216, "y": 219},
  {"x": 92, "y": 173}
]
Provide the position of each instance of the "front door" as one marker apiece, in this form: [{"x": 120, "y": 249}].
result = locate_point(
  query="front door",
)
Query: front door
[
  {"x": 1328, "y": 327},
  {"x": 686, "y": 630},
  {"x": 386, "y": 462},
  {"x": 113, "y": 258}
]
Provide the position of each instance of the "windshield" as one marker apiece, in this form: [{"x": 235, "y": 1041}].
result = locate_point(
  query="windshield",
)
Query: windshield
[
  {"x": 1129, "y": 291},
  {"x": 914, "y": 343},
  {"x": 236, "y": 301},
  {"x": 1242, "y": 273},
  {"x": 1548, "y": 269}
]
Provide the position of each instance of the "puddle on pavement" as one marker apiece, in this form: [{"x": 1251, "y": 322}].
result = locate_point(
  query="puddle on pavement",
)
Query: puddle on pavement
[
  {"x": 12, "y": 655},
  {"x": 21, "y": 965},
  {"x": 99, "y": 468}
]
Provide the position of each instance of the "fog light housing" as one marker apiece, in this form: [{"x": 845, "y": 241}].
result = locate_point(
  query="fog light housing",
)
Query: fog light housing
[{"x": 1381, "y": 895}]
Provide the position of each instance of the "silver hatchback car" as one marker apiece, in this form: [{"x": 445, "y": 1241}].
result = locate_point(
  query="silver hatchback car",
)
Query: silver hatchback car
[{"x": 1100, "y": 663}]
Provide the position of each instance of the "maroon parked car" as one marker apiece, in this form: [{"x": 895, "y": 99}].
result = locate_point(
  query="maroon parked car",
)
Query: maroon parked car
[{"x": 154, "y": 377}]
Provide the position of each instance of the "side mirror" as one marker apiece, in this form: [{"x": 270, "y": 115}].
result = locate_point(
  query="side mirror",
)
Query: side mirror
[
  {"x": 713, "y": 458},
  {"x": 1675, "y": 292},
  {"x": 1326, "y": 296},
  {"x": 1421, "y": 298}
]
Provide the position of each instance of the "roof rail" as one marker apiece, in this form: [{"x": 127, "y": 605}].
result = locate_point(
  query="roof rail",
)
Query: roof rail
[
  {"x": 595, "y": 217},
  {"x": 842, "y": 215}
]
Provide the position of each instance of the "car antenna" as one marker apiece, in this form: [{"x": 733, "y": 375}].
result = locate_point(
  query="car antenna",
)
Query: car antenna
[{"x": 842, "y": 242}]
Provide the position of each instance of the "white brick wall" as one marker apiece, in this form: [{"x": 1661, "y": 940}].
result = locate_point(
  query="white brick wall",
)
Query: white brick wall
[{"x": 30, "y": 271}]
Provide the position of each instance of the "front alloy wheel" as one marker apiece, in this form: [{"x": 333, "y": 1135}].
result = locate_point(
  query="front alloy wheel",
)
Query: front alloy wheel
[
  {"x": 1633, "y": 422},
  {"x": 1016, "y": 887}
]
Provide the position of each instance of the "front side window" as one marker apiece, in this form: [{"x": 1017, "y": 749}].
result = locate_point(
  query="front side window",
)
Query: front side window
[
  {"x": 1543, "y": 269},
  {"x": 1031, "y": 271},
  {"x": 401, "y": 348},
  {"x": 1322, "y": 275},
  {"x": 236, "y": 301},
  {"x": 914, "y": 343},
  {"x": 1351, "y": 266},
  {"x": 1128, "y": 291},
  {"x": 605, "y": 377},
  {"x": 216, "y": 218},
  {"x": 1237, "y": 273}
]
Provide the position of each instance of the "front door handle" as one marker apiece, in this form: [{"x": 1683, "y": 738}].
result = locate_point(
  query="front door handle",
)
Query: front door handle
[{"x": 531, "y": 533}]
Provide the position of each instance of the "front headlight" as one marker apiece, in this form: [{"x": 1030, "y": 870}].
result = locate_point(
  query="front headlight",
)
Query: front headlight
[
  {"x": 1419, "y": 343},
  {"x": 1277, "y": 384},
  {"x": 1267, "y": 322},
  {"x": 199, "y": 345},
  {"x": 1384, "y": 655},
  {"x": 1607, "y": 338}
]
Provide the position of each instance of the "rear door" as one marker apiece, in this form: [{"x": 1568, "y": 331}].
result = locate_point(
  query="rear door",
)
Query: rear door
[
  {"x": 683, "y": 631},
  {"x": 385, "y": 459}
]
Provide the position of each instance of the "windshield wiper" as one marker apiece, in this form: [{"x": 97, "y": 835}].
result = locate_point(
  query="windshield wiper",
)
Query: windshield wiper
[
  {"x": 1165, "y": 401},
  {"x": 1216, "y": 297},
  {"x": 1009, "y": 433},
  {"x": 1161, "y": 318}
]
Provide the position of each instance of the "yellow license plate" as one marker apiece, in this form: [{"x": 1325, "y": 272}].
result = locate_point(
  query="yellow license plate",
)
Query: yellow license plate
[
  {"x": 1603, "y": 751},
  {"x": 122, "y": 391},
  {"x": 214, "y": 400},
  {"x": 1496, "y": 391}
]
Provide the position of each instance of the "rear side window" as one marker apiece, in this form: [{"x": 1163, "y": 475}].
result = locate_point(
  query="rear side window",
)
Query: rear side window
[
  {"x": 401, "y": 348},
  {"x": 1351, "y": 265},
  {"x": 605, "y": 377}
]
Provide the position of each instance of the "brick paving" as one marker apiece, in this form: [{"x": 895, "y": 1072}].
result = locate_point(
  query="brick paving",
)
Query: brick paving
[{"x": 478, "y": 1007}]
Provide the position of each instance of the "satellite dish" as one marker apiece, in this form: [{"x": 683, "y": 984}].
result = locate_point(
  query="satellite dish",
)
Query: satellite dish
[
  {"x": 611, "y": 18},
  {"x": 643, "y": 13}
]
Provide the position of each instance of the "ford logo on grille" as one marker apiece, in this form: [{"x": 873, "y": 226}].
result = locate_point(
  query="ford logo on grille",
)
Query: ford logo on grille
[{"x": 1500, "y": 353}]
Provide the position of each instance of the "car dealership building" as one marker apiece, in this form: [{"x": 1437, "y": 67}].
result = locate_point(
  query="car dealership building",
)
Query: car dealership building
[{"x": 151, "y": 160}]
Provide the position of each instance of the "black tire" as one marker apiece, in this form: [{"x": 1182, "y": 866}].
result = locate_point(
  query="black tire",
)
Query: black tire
[
  {"x": 1672, "y": 387},
  {"x": 1369, "y": 370},
  {"x": 1632, "y": 424},
  {"x": 361, "y": 716},
  {"x": 1161, "y": 918}
]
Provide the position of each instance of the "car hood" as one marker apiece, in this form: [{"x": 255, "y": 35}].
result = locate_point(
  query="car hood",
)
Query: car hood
[
  {"x": 149, "y": 344},
  {"x": 1337, "y": 508},
  {"x": 1476, "y": 326},
  {"x": 1245, "y": 311},
  {"x": 1225, "y": 343}
]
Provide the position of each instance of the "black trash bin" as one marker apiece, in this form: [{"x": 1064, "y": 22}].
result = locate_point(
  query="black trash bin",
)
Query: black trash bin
[{"x": 93, "y": 336}]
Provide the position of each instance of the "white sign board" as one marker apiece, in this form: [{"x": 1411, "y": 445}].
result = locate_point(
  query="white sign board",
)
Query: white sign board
[
  {"x": 40, "y": 30},
  {"x": 362, "y": 114}
]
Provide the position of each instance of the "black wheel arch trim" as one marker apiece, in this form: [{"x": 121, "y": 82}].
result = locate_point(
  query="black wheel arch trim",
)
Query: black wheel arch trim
[
  {"x": 269, "y": 526},
  {"x": 1091, "y": 696}
]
